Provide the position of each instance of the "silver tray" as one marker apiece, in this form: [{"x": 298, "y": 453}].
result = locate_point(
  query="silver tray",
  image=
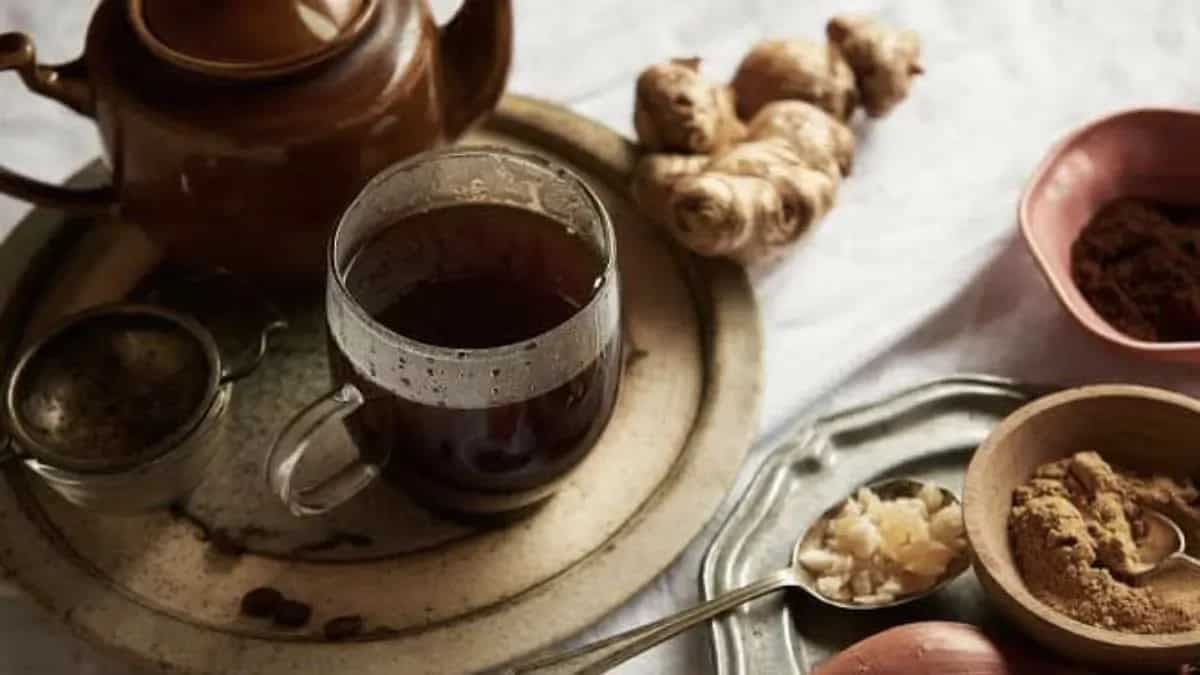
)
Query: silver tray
[{"x": 928, "y": 432}]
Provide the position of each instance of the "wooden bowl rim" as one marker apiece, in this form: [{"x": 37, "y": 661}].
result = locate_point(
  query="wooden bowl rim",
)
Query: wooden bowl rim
[{"x": 987, "y": 560}]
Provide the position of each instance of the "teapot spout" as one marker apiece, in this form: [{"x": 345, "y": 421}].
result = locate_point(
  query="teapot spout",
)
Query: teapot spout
[{"x": 476, "y": 50}]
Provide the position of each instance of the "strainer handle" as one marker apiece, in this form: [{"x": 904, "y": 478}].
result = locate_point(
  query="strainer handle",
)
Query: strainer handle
[
  {"x": 255, "y": 355},
  {"x": 295, "y": 440}
]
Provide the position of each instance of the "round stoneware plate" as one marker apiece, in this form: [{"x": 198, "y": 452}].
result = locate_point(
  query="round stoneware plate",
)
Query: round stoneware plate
[{"x": 164, "y": 588}]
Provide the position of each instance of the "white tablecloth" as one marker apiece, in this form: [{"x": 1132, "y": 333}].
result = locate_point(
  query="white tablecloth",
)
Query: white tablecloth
[{"x": 917, "y": 272}]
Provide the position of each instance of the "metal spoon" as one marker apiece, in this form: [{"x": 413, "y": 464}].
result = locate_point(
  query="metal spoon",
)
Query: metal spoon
[
  {"x": 605, "y": 654},
  {"x": 1163, "y": 546}
]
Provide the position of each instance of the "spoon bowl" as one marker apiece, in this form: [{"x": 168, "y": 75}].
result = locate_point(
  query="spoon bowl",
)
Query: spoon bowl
[
  {"x": 599, "y": 657},
  {"x": 1165, "y": 546},
  {"x": 887, "y": 489}
]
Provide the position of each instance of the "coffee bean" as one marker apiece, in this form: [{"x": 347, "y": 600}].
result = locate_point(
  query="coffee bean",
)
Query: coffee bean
[
  {"x": 261, "y": 602},
  {"x": 343, "y": 627},
  {"x": 292, "y": 614}
]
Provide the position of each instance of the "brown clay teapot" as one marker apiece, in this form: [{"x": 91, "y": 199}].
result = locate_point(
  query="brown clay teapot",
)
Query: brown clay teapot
[{"x": 237, "y": 131}]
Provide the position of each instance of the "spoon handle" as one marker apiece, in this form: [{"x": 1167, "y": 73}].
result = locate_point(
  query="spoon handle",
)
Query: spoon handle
[
  {"x": 602, "y": 655},
  {"x": 1187, "y": 561}
]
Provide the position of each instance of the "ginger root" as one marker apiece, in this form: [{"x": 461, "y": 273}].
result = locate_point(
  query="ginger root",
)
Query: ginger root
[
  {"x": 716, "y": 214},
  {"x": 748, "y": 203},
  {"x": 820, "y": 139},
  {"x": 655, "y": 177},
  {"x": 795, "y": 69},
  {"x": 677, "y": 110},
  {"x": 806, "y": 194},
  {"x": 747, "y": 188},
  {"x": 884, "y": 59}
]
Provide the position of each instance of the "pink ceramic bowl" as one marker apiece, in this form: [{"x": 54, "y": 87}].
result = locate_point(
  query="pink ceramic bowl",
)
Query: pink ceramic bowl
[{"x": 1152, "y": 153}]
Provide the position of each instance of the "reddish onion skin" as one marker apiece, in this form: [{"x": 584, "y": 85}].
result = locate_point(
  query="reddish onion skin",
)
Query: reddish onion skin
[{"x": 941, "y": 647}]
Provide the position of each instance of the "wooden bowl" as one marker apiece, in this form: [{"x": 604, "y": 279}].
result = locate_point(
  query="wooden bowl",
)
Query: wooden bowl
[
  {"x": 1136, "y": 427},
  {"x": 1153, "y": 153}
]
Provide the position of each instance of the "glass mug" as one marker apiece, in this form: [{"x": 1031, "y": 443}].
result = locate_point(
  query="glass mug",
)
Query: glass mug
[{"x": 473, "y": 317}]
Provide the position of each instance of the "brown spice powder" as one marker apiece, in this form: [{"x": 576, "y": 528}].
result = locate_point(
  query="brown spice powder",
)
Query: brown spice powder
[
  {"x": 1075, "y": 528},
  {"x": 1138, "y": 265}
]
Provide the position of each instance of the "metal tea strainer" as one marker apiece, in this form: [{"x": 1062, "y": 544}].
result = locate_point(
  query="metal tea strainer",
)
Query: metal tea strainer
[{"x": 116, "y": 406}]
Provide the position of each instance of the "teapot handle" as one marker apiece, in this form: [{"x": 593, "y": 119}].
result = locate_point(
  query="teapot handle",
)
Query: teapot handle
[
  {"x": 476, "y": 49},
  {"x": 68, "y": 85}
]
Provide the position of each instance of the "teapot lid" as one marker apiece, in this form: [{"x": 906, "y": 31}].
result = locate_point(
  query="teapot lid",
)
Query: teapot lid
[{"x": 248, "y": 39}]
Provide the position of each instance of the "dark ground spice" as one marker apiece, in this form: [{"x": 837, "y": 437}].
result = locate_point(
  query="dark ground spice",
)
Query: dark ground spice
[{"x": 1138, "y": 264}]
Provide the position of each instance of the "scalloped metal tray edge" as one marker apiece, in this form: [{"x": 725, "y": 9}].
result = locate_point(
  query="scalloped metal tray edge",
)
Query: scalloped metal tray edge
[{"x": 929, "y": 430}]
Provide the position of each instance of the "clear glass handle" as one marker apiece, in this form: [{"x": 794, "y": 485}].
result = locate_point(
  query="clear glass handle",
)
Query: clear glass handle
[{"x": 295, "y": 440}]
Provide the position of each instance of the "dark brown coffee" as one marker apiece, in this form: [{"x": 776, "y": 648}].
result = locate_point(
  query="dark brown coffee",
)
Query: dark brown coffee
[{"x": 474, "y": 277}]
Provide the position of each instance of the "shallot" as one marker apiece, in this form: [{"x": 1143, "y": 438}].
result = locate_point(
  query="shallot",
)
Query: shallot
[{"x": 941, "y": 647}]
